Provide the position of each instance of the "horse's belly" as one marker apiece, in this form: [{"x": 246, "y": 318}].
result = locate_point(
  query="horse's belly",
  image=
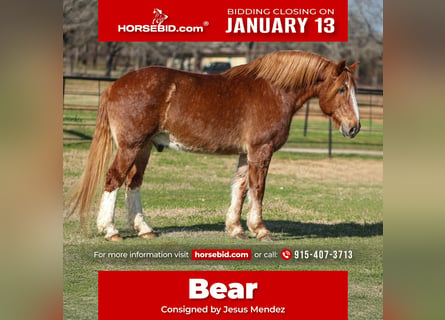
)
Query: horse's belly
[
  {"x": 198, "y": 144},
  {"x": 165, "y": 139}
]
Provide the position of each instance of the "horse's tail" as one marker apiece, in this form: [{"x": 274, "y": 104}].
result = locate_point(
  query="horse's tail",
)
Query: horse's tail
[{"x": 83, "y": 194}]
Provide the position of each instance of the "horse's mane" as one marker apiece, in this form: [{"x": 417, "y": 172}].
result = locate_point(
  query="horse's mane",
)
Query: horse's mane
[{"x": 287, "y": 69}]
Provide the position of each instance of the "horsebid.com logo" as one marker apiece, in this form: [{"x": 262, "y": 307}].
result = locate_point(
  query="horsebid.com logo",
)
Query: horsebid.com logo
[{"x": 157, "y": 25}]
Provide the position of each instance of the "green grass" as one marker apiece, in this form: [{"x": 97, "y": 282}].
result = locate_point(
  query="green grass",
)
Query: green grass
[
  {"x": 311, "y": 203},
  {"x": 318, "y": 135}
]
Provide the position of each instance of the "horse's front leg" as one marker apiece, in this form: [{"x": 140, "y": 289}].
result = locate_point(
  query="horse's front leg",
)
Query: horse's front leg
[
  {"x": 259, "y": 160},
  {"x": 239, "y": 190}
]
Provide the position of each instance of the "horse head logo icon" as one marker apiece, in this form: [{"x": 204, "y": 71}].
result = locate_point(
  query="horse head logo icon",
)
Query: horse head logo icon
[{"x": 159, "y": 16}]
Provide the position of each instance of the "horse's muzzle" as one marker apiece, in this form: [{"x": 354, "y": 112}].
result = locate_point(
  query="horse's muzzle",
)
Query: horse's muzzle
[{"x": 350, "y": 132}]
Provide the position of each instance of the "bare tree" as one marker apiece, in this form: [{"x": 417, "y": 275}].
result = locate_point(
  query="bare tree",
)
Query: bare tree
[
  {"x": 79, "y": 27},
  {"x": 370, "y": 14}
]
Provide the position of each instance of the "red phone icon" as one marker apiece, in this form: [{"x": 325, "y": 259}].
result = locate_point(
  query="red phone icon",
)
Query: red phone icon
[{"x": 286, "y": 254}]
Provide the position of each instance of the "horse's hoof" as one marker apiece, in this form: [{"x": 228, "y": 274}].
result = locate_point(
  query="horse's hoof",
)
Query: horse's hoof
[
  {"x": 149, "y": 235},
  {"x": 115, "y": 237},
  {"x": 266, "y": 238},
  {"x": 239, "y": 236}
]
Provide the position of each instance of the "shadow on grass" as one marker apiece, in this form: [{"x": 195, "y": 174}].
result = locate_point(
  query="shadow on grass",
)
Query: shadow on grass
[{"x": 296, "y": 230}]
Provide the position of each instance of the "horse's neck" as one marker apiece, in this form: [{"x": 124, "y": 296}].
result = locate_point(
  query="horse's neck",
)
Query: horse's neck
[{"x": 304, "y": 96}]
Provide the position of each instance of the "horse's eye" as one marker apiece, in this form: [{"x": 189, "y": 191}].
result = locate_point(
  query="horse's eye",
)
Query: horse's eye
[{"x": 342, "y": 90}]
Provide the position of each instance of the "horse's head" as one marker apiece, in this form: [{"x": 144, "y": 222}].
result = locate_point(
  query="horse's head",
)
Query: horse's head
[{"x": 337, "y": 99}]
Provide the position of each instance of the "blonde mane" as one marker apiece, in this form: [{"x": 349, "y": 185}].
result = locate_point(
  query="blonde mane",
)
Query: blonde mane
[{"x": 287, "y": 69}]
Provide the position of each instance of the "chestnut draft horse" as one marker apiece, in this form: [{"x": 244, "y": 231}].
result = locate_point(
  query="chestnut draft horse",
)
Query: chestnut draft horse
[{"x": 246, "y": 111}]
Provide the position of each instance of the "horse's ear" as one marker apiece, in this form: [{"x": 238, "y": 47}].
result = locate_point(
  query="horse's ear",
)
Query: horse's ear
[
  {"x": 340, "y": 67},
  {"x": 352, "y": 67}
]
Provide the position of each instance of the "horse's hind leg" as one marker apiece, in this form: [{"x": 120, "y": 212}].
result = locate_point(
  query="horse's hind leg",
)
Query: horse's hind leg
[
  {"x": 122, "y": 163},
  {"x": 135, "y": 217},
  {"x": 105, "y": 217},
  {"x": 239, "y": 190}
]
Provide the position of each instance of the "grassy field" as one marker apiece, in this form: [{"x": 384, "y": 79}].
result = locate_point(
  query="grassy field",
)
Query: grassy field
[{"x": 311, "y": 203}]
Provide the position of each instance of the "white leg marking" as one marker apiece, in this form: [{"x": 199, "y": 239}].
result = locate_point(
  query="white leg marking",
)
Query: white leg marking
[
  {"x": 105, "y": 218},
  {"x": 135, "y": 217},
  {"x": 233, "y": 217},
  {"x": 254, "y": 217}
]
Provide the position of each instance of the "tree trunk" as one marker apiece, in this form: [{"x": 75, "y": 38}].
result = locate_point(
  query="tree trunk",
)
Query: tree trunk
[{"x": 113, "y": 49}]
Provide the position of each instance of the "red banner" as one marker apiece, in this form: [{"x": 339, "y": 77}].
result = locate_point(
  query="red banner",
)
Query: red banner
[
  {"x": 314, "y": 295},
  {"x": 230, "y": 20}
]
